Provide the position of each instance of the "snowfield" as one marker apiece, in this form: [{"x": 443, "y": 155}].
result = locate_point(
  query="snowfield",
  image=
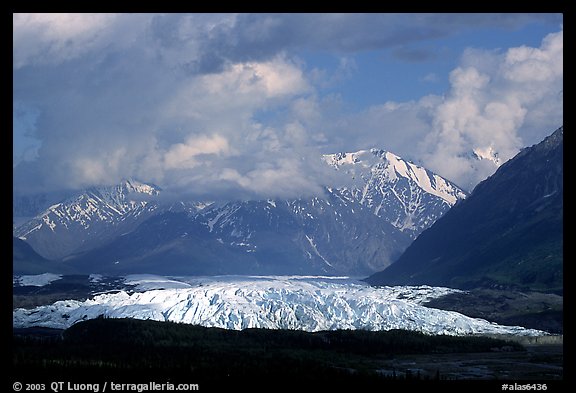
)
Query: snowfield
[
  {"x": 38, "y": 280},
  {"x": 279, "y": 302}
]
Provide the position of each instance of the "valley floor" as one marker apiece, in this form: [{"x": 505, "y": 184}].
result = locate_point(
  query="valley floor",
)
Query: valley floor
[
  {"x": 120, "y": 346},
  {"x": 137, "y": 349},
  {"x": 539, "y": 362}
]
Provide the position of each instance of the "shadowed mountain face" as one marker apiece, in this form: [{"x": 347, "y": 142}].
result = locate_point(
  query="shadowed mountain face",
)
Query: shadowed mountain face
[
  {"x": 507, "y": 233},
  {"x": 315, "y": 236},
  {"x": 28, "y": 261}
]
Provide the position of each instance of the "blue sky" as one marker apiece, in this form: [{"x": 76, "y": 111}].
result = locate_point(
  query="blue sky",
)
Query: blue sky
[
  {"x": 407, "y": 73},
  {"x": 213, "y": 105}
]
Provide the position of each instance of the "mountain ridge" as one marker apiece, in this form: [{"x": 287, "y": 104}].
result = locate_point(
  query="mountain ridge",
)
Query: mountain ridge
[
  {"x": 98, "y": 211},
  {"x": 508, "y": 232},
  {"x": 365, "y": 225}
]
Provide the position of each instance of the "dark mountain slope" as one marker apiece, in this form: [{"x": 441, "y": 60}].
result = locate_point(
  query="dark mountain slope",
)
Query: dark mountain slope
[
  {"x": 254, "y": 237},
  {"x": 27, "y": 261},
  {"x": 507, "y": 233}
]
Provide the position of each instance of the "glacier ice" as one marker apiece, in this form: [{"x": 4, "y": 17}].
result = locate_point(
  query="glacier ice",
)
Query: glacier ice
[{"x": 273, "y": 302}]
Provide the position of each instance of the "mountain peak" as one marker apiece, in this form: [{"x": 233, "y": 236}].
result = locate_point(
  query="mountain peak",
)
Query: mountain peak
[
  {"x": 96, "y": 211},
  {"x": 552, "y": 141},
  {"x": 391, "y": 168},
  {"x": 135, "y": 186}
]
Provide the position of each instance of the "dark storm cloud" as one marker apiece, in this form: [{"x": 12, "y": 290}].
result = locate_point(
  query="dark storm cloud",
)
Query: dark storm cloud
[
  {"x": 259, "y": 37},
  {"x": 262, "y": 34}
]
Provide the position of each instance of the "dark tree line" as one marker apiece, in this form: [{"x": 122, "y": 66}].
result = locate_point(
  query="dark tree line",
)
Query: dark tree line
[{"x": 117, "y": 346}]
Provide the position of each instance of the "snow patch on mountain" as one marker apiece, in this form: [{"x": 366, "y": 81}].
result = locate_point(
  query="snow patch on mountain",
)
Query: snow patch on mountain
[
  {"x": 313, "y": 245},
  {"x": 95, "y": 278},
  {"x": 37, "y": 280},
  {"x": 290, "y": 302},
  {"x": 487, "y": 153}
]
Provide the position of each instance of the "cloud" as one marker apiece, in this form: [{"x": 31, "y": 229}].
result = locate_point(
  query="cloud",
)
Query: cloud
[
  {"x": 393, "y": 126},
  {"x": 185, "y": 155},
  {"x": 496, "y": 104},
  {"x": 221, "y": 104},
  {"x": 25, "y": 145},
  {"x": 206, "y": 43},
  {"x": 431, "y": 78},
  {"x": 52, "y": 38},
  {"x": 134, "y": 114}
]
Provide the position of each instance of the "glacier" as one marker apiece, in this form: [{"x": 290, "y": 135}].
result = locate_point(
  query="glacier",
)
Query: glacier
[{"x": 273, "y": 302}]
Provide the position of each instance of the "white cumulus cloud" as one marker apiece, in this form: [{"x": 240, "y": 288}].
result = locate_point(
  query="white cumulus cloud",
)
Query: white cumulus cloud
[
  {"x": 221, "y": 104},
  {"x": 496, "y": 104},
  {"x": 52, "y": 38},
  {"x": 185, "y": 155}
]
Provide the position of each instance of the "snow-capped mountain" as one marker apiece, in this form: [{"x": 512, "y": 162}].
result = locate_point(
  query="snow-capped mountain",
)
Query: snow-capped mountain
[
  {"x": 90, "y": 218},
  {"x": 349, "y": 230},
  {"x": 408, "y": 196},
  {"x": 355, "y": 230},
  {"x": 306, "y": 236},
  {"x": 297, "y": 303}
]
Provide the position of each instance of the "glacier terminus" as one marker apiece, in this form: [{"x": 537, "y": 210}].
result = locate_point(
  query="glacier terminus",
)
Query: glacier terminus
[{"x": 309, "y": 303}]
